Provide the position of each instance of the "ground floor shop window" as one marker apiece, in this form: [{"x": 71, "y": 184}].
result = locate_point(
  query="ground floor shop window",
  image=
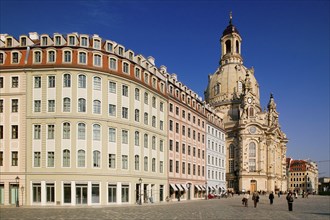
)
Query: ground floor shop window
[
  {"x": 124, "y": 193},
  {"x": 95, "y": 193},
  {"x": 2, "y": 194},
  {"x": 50, "y": 190},
  {"x": 112, "y": 193},
  {"x": 36, "y": 190},
  {"x": 67, "y": 192}
]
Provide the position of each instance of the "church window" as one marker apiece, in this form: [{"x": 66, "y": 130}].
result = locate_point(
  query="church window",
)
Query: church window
[
  {"x": 228, "y": 46},
  {"x": 251, "y": 112},
  {"x": 252, "y": 149},
  {"x": 239, "y": 86},
  {"x": 237, "y": 46},
  {"x": 231, "y": 151},
  {"x": 217, "y": 89}
]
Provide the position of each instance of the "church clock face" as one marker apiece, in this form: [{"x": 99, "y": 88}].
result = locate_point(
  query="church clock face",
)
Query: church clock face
[
  {"x": 249, "y": 100},
  {"x": 253, "y": 129}
]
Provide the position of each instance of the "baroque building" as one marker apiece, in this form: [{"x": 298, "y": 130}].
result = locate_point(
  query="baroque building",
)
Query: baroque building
[{"x": 255, "y": 143}]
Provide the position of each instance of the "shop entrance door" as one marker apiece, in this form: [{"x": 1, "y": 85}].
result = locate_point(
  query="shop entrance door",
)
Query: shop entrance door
[{"x": 81, "y": 194}]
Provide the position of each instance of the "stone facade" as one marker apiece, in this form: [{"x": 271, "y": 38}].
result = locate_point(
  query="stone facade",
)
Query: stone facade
[{"x": 255, "y": 143}]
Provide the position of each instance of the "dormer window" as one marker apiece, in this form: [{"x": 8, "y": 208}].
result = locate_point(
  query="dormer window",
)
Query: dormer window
[
  {"x": 97, "y": 44},
  {"x": 15, "y": 57},
  {"x": 72, "y": 40},
  {"x": 44, "y": 41},
  {"x": 84, "y": 42},
  {"x": 57, "y": 40},
  {"x": 109, "y": 47},
  {"x": 130, "y": 55},
  {"x": 139, "y": 60},
  {"x": 121, "y": 51},
  {"x": 9, "y": 42},
  {"x": 23, "y": 41},
  {"x": 37, "y": 57}
]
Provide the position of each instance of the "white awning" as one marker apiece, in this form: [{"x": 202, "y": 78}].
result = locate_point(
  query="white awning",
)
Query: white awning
[
  {"x": 197, "y": 186},
  {"x": 184, "y": 186},
  {"x": 179, "y": 187},
  {"x": 173, "y": 186},
  {"x": 223, "y": 188},
  {"x": 212, "y": 187},
  {"x": 202, "y": 187}
]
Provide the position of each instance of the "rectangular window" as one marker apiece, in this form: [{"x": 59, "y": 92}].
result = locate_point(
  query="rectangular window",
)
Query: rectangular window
[
  {"x": 14, "y": 105},
  {"x": 50, "y": 158},
  {"x": 1, "y": 160},
  {"x": 50, "y": 190},
  {"x": 37, "y": 132},
  {"x": 177, "y": 166},
  {"x": 161, "y": 145},
  {"x": 161, "y": 166},
  {"x": 171, "y": 166},
  {"x": 124, "y": 160},
  {"x": 183, "y": 167},
  {"x": 124, "y": 193},
  {"x": 51, "y": 132},
  {"x": 112, "y": 110},
  {"x": 67, "y": 192},
  {"x": 112, "y": 161},
  {"x": 37, "y": 82},
  {"x": 14, "y": 158},
  {"x": 112, "y": 193},
  {"x": 51, "y": 105},
  {"x": 124, "y": 112},
  {"x": 1, "y": 106},
  {"x": 112, "y": 87},
  {"x": 37, "y": 159},
  {"x": 125, "y": 90},
  {"x": 14, "y": 82},
  {"x": 112, "y": 135},
  {"x": 37, "y": 105},
  {"x": 14, "y": 132},
  {"x": 51, "y": 81},
  {"x": 84, "y": 41},
  {"x": 95, "y": 193},
  {"x": 36, "y": 190},
  {"x": 1, "y": 82},
  {"x": 124, "y": 137}
]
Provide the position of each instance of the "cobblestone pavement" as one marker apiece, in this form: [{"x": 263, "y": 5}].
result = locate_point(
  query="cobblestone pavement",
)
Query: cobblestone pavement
[{"x": 315, "y": 207}]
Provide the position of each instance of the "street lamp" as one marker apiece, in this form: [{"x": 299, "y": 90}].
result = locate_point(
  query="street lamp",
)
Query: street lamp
[
  {"x": 206, "y": 191},
  {"x": 17, "y": 187},
  {"x": 22, "y": 189},
  {"x": 188, "y": 187},
  {"x": 140, "y": 181}
]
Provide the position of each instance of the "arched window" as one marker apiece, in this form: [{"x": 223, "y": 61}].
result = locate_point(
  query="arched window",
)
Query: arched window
[
  {"x": 96, "y": 132},
  {"x": 82, "y": 58},
  {"x": 37, "y": 56},
  {"x": 237, "y": 46},
  {"x": 97, "y": 60},
  {"x": 137, "y": 162},
  {"x": 153, "y": 165},
  {"x": 137, "y": 94},
  {"x": 137, "y": 115},
  {"x": 239, "y": 86},
  {"x": 251, "y": 112},
  {"x": 96, "y": 158},
  {"x": 97, "y": 83},
  {"x": 113, "y": 63},
  {"x": 97, "y": 107},
  {"x": 81, "y": 105},
  {"x": 146, "y": 98},
  {"x": 81, "y": 158},
  {"x": 146, "y": 118},
  {"x": 66, "y": 130},
  {"x": 81, "y": 81},
  {"x": 67, "y": 56},
  {"x": 252, "y": 149},
  {"x": 67, "y": 80},
  {"x": 145, "y": 163},
  {"x": 137, "y": 138},
  {"x": 81, "y": 131},
  {"x": 145, "y": 140},
  {"x": 66, "y": 158},
  {"x": 228, "y": 46},
  {"x": 153, "y": 143},
  {"x": 51, "y": 56},
  {"x": 231, "y": 151},
  {"x": 153, "y": 121}
]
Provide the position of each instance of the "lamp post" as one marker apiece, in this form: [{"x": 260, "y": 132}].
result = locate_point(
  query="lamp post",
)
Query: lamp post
[
  {"x": 206, "y": 191},
  {"x": 140, "y": 181},
  {"x": 188, "y": 187},
  {"x": 22, "y": 189},
  {"x": 17, "y": 187}
]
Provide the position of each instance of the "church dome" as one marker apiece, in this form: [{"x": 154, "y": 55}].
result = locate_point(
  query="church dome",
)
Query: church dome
[{"x": 230, "y": 29}]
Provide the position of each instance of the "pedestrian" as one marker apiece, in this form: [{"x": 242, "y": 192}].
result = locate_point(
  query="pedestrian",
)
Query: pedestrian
[
  {"x": 255, "y": 198},
  {"x": 179, "y": 195},
  {"x": 279, "y": 194},
  {"x": 289, "y": 198},
  {"x": 271, "y": 198},
  {"x": 245, "y": 199}
]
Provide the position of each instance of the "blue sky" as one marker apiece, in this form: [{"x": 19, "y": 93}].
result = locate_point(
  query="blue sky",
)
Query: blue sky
[{"x": 287, "y": 43}]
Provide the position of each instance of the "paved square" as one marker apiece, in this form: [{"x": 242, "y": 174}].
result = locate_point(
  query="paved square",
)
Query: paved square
[{"x": 315, "y": 207}]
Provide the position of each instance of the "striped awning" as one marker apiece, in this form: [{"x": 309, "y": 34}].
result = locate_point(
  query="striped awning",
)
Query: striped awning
[
  {"x": 173, "y": 187},
  {"x": 197, "y": 186},
  {"x": 179, "y": 187},
  {"x": 184, "y": 187},
  {"x": 202, "y": 187}
]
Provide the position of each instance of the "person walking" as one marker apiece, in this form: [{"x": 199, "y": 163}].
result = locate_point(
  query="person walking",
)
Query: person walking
[
  {"x": 255, "y": 198},
  {"x": 271, "y": 198},
  {"x": 245, "y": 199},
  {"x": 289, "y": 198}
]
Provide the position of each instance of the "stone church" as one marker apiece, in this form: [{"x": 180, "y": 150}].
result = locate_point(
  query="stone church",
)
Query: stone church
[{"x": 255, "y": 143}]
